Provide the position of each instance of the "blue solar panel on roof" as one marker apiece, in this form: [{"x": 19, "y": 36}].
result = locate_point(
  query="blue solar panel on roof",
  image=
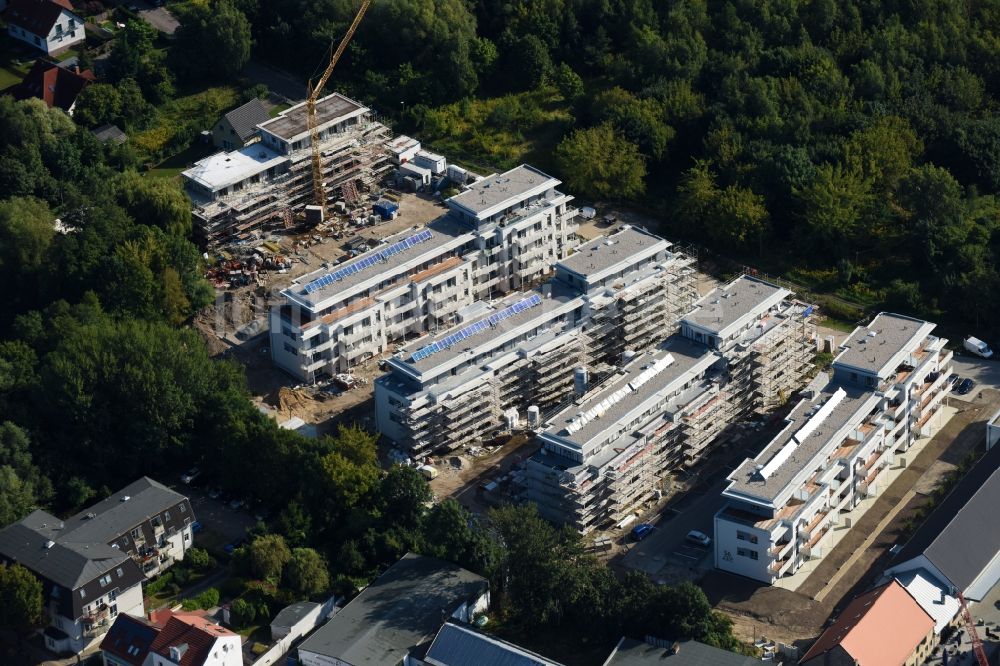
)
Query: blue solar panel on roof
[{"x": 371, "y": 260}]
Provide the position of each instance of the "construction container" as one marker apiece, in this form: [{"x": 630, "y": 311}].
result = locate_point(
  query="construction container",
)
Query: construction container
[
  {"x": 428, "y": 471},
  {"x": 387, "y": 210},
  {"x": 432, "y": 161},
  {"x": 314, "y": 214}
]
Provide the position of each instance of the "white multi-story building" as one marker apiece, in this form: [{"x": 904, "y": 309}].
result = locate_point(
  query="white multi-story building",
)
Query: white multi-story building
[
  {"x": 519, "y": 353},
  {"x": 887, "y": 386},
  {"x": 504, "y": 233},
  {"x": 608, "y": 451}
]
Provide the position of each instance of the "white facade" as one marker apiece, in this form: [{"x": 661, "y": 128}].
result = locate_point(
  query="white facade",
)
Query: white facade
[
  {"x": 993, "y": 431},
  {"x": 889, "y": 381},
  {"x": 66, "y": 31},
  {"x": 225, "y": 651},
  {"x": 419, "y": 280},
  {"x": 98, "y": 617},
  {"x": 505, "y": 356}
]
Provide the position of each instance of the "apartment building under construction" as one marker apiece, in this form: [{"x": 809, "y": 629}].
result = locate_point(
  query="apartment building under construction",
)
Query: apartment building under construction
[
  {"x": 783, "y": 507},
  {"x": 237, "y": 194},
  {"x": 515, "y": 358},
  {"x": 608, "y": 451},
  {"x": 503, "y": 233}
]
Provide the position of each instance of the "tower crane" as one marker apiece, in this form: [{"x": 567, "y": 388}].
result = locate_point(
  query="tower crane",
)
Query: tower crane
[
  {"x": 319, "y": 189},
  {"x": 970, "y": 626}
]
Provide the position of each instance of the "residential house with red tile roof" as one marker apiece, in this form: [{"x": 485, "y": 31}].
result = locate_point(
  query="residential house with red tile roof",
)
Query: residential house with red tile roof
[
  {"x": 171, "y": 639},
  {"x": 882, "y": 627},
  {"x": 55, "y": 85},
  {"x": 48, "y": 25}
]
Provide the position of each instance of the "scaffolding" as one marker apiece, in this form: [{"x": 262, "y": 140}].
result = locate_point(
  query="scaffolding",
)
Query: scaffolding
[{"x": 352, "y": 158}]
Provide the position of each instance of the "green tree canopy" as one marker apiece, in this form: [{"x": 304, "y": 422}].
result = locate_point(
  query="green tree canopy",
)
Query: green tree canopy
[
  {"x": 268, "y": 554},
  {"x": 306, "y": 573},
  {"x": 22, "y": 606},
  {"x": 598, "y": 160}
]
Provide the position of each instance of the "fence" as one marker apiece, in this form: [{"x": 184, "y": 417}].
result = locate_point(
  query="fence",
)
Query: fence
[{"x": 301, "y": 628}]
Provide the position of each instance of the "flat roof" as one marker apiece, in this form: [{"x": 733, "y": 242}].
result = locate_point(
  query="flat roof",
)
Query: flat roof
[
  {"x": 733, "y": 305},
  {"x": 292, "y": 122},
  {"x": 224, "y": 169},
  {"x": 685, "y": 355},
  {"x": 747, "y": 482},
  {"x": 607, "y": 252},
  {"x": 433, "y": 240},
  {"x": 499, "y": 191},
  {"x": 495, "y": 321},
  {"x": 400, "y": 610},
  {"x": 880, "y": 346}
]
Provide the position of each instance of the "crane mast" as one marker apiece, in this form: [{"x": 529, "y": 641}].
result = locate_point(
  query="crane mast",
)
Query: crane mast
[{"x": 319, "y": 189}]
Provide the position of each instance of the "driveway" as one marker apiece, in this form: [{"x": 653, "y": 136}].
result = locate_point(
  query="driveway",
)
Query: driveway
[
  {"x": 220, "y": 524},
  {"x": 158, "y": 17},
  {"x": 985, "y": 372}
]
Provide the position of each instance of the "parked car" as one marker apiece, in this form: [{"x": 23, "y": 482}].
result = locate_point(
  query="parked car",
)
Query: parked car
[
  {"x": 233, "y": 546},
  {"x": 214, "y": 493},
  {"x": 955, "y": 380},
  {"x": 700, "y": 538},
  {"x": 966, "y": 386},
  {"x": 640, "y": 532},
  {"x": 196, "y": 526},
  {"x": 189, "y": 476},
  {"x": 236, "y": 504}
]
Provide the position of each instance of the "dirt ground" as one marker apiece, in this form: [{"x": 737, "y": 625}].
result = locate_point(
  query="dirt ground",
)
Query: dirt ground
[
  {"x": 237, "y": 307},
  {"x": 462, "y": 473},
  {"x": 797, "y": 617}
]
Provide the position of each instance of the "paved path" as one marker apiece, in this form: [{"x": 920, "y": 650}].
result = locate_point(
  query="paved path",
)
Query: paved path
[{"x": 158, "y": 17}]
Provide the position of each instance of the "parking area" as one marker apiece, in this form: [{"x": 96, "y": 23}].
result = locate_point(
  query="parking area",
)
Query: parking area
[
  {"x": 984, "y": 372},
  {"x": 220, "y": 524}
]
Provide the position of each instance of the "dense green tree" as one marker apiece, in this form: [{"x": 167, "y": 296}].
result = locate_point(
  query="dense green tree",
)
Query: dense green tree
[
  {"x": 833, "y": 204},
  {"x": 402, "y": 494},
  {"x": 21, "y": 592},
  {"x": 218, "y": 34},
  {"x": 600, "y": 161},
  {"x": 154, "y": 201},
  {"x": 267, "y": 555},
  {"x": 568, "y": 82},
  {"x": 306, "y": 573}
]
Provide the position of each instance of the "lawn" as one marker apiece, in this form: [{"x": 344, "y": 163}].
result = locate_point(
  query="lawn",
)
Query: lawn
[
  {"x": 174, "y": 165},
  {"x": 499, "y": 132},
  {"x": 13, "y": 67},
  {"x": 179, "y": 121},
  {"x": 278, "y": 109}
]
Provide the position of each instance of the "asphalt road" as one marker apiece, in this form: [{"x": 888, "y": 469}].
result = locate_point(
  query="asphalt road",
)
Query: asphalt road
[{"x": 985, "y": 372}]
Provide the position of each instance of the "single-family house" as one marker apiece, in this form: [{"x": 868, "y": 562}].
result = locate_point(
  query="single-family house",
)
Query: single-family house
[
  {"x": 884, "y": 626},
  {"x": 171, "y": 639},
  {"x": 49, "y": 25},
  {"x": 57, "y": 86},
  {"x": 238, "y": 127}
]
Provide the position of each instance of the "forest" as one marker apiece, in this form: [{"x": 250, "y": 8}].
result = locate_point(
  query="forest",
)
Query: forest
[{"x": 851, "y": 146}]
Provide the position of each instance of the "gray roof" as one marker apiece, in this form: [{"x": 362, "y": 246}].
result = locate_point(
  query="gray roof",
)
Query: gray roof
[
  {"x": 292, "y": 122},
  {"x": 244, "y": 119},
  {"x": 401, "y": 609},
  {"x": 851, "y": 410},
  {"x": 507, "y": 187},
  {"x": 106, "y": 133},
  {"x": 686, "y": 356},
  {"x": 462, "y": 646},
  {"x": 961, "y": 537},
  {"x": 883, "y": 344},
  {"x": 289, "y": 615},
  {"x": 630, "y": 652},
  {"x": 113, "y": 516},
  {"x": 731, "y": 304},
  {"x": 608, "y": 252}
]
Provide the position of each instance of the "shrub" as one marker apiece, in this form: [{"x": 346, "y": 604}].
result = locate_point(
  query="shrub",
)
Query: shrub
[
  {"x": 242, "y": 612},
  {"x": 207, "y": 599},
  {"x": 198, "y": 559}
]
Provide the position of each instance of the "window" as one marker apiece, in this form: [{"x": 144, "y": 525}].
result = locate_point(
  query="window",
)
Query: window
[
  {"x": 183, "y": 508},
  {"x": 120, "y": 572},
  {"x": 746, "y": 536},
  {"x": 291, "y": 350},
  {"x": 58, "y": 28},
  {"x": 83, "y": 594},
  {"x": 166, "y": 516},
  {"x": 104, "y": 580},
  {"x": 136, "y": 533},
  {"x": 747, "y": 552}
]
